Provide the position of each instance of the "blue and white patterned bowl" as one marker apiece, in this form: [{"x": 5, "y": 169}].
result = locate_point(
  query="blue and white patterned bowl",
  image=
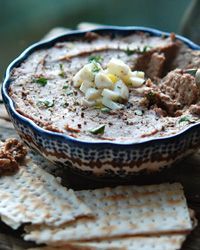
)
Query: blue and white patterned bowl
[{"x": 102, "y": 159}]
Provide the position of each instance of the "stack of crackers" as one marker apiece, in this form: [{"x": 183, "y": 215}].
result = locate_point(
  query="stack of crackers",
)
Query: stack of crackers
[{"x": 152, "y": 217}]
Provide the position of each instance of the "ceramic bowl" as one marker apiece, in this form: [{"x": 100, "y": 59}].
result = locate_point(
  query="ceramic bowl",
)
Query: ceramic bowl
[{"x": 101, "y": 159}]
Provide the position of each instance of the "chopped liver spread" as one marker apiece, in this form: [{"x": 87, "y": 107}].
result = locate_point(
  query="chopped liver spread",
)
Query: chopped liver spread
[{"x": 168, "y": 101}]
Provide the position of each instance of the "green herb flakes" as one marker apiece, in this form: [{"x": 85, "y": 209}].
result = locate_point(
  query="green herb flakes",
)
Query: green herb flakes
[
  {"x": 184, "y": 119},
  {"x": 62, "y": 72},
  {"x": 105, "y": 110},
  {"x": 146, "y": 48},
  {"x": 65, "y": 87},
  {"x": 191, "y": 71},
  {"x": 45, "y": 104},
  {"x": 42, "y": 81},
  {"x": 99, "y": 130},
  {"x": 129, "y": 52},
  {"x": 95, "y": 68},
  {"x": 70, "y": 92},
  {"x": 95, "y": 58},
  {"x": 151, "y": 97},
  {"x": 137, "y": 50}
]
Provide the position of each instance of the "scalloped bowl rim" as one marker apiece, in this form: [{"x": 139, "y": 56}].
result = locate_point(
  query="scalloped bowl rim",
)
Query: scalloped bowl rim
[{"x": 36, "y": 46}]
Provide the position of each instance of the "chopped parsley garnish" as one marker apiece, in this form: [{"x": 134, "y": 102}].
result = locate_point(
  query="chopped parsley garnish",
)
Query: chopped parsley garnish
[
  {"x": 129, "y": 52},
  {"x": 65, "y": 87},
  {"x": 191, "y": 71},
  {"x": 151, "y": 97},
  {"x": 184, "y": 119},
  {"x": 105, "y": 110},
  {"x": 95, "y": 58},
  {"x": 42, "y": 81},
  {"x": 70, "y": 92},
  {"x": 138, "y": 50},
  {"x": 45, "y": 104},
  {"x": 146, "y": 48},
  {"x": 62, "y": 72},
  {"x": 99, "y": 130},
  {"x": 95, "y": 67}
]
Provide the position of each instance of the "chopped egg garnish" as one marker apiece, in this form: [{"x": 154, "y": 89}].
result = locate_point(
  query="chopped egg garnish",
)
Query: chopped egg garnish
[
  {"x": 85, "y": 85},
  {"x": 86, "y": 73},
  {"x": 102, "y": 81},
  {"x": 92, "y": 94},
  {"x": 108, "y": 87},
  {"x": 113, "y": 78}
]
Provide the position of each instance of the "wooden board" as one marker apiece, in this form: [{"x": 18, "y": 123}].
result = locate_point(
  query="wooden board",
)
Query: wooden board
[{"x": 186, "y": 171}]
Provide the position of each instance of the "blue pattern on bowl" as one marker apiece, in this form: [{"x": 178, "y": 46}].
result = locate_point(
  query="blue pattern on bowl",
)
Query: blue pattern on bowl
[{"x": 103, "y": 159}]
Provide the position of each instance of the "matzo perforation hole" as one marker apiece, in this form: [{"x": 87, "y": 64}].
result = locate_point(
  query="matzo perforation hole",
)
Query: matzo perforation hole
[
  {"x": 151, "y": 210},
  {"x": 11, "y": 190},
  {"x": 75, "y": 207},
  {"x": 54, "y": 190},
  {"x": 174, "y": 208},
  {"x": 120, "y": 222},
  {"x": 21, "y": 183},
  {"x": 149, "y": 199},
  {"x": 129, "y": 212},
  {"x": 95, "y": 205},
  {"x": 142, "y": 221},
  {"x": 99, "y": 225},
  {"x": 126, "y": 193},
  {"x": 163, "y": 208},
  {"x": 105, "y": 203},
  {"x": 16, "y": 214},
  {"x": 6, "y": 186}
]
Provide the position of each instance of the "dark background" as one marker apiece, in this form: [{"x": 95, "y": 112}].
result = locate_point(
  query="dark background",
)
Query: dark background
[{"x": 22, "y": 22}]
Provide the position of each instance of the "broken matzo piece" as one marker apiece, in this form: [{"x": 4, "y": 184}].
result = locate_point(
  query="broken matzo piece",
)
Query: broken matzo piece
[
  {"x": 173, "y": 242},
  {"x": 33, "y": 195},
  {"x": 124, "y": 210}
]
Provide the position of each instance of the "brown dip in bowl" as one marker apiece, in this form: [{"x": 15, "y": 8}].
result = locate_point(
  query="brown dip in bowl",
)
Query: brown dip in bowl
[{"x": 156, "y": 125}]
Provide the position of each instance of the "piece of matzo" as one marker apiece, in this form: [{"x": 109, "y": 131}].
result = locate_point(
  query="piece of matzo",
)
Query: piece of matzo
[
  {"x": 124, "y": 210},
  {"x": 33, "y": 195},
  {"x": 173, "y": 242}
]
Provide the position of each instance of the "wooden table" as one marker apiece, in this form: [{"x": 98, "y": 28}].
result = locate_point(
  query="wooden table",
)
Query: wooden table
[{"x": 186, "y": 171}]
